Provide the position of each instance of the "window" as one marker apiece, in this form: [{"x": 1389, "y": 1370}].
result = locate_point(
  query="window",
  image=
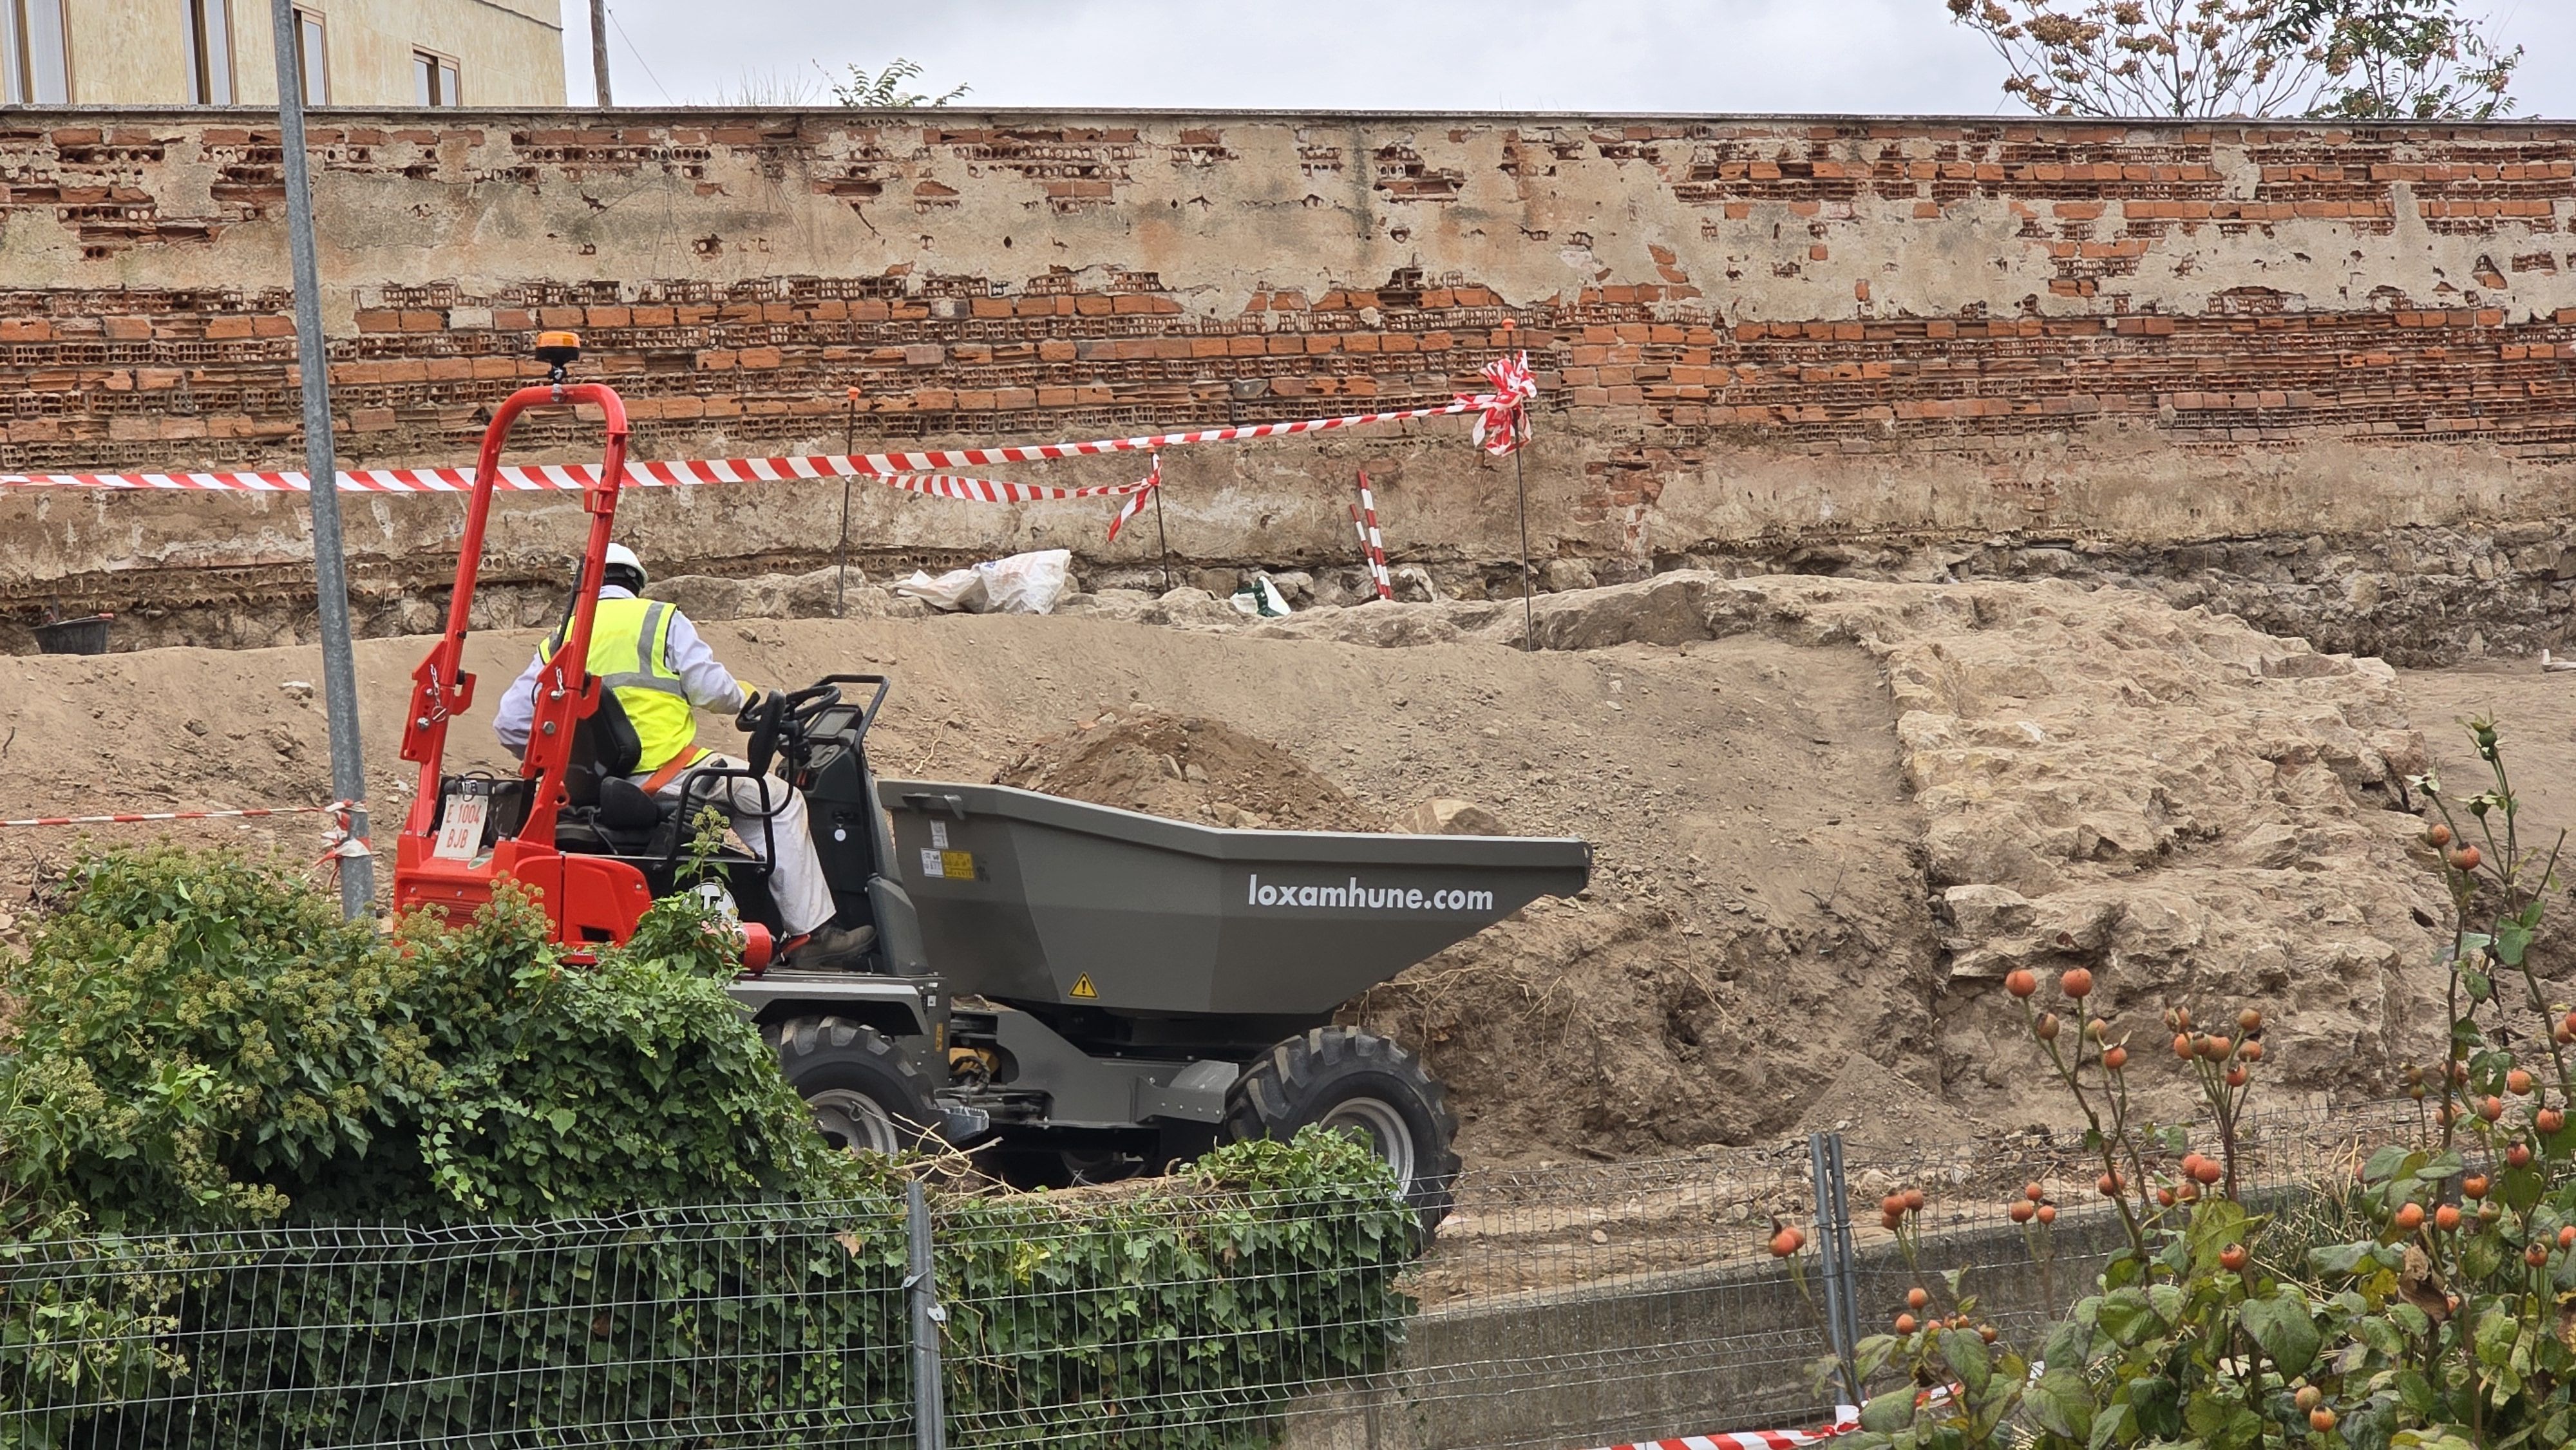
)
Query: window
[
  {"x": 210, "y": 52},
  {"x": 35, "y": 65},
  {"x": 433, "y": 80},
  {"x": 312, "y": 57}
]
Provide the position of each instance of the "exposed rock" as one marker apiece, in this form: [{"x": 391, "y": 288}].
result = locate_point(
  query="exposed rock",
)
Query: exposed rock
[{"x": 1445, "y": 817}]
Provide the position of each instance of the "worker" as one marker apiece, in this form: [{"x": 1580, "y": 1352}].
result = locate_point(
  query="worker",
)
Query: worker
[{"x": 648, "y": 654}]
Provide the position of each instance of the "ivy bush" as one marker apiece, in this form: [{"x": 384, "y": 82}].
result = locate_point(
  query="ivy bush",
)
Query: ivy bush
[{"x": 268, "y": 1178}]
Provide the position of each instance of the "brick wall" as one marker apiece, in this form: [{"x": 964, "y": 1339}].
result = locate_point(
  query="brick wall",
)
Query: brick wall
[{"x": 1873, "y": 343}]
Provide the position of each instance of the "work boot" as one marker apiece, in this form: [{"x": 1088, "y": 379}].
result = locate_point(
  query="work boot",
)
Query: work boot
[{"x": 829, "y": 947}]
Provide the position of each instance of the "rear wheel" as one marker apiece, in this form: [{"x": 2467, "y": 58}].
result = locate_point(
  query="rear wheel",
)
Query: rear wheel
[
  {"x": 1366, "y": 1086},
  {"x": 863, "y": 1093}
]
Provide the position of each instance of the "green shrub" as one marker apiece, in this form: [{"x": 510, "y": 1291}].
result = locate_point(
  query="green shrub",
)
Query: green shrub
[
  {"x": 204, "y": 1043},
  {"x": 215, "y": 1068},
  {"x": 1179, "y": 1312}
]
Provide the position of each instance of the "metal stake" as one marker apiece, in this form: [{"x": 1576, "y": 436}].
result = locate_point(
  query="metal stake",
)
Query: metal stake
[
  {"x": 1163, "y": 539},
  {"x": 849, "y": 445},
  {"x": 321, "y": 469},
  {"x": 929, "y": 1401},
  {"x": 1520, "y": 481}
]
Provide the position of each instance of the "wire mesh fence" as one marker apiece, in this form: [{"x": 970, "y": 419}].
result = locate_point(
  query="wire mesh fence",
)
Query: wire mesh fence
[{"x": 1561, "y": 1306}]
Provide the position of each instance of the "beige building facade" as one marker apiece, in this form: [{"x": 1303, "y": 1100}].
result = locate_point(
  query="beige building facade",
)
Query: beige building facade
[{"x": 376, "y": 53}]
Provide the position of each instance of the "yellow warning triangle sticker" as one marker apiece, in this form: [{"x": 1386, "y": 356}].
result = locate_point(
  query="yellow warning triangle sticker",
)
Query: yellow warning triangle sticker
[{"x": 1082, "y": 987}]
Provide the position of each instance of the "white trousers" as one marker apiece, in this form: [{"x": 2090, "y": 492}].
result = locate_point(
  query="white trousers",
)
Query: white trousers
[{"x": 796, "y": 877}]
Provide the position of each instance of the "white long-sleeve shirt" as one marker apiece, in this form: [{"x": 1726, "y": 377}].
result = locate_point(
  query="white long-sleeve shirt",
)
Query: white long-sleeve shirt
[{"x": 708, "y": 684}]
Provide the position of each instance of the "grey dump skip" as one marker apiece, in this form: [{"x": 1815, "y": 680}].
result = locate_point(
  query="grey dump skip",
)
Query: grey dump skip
[{"x": 1035, "y": 898}]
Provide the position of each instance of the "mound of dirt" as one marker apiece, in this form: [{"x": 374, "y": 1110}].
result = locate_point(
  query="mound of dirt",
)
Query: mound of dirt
[{"x": 1189, "y": 768}]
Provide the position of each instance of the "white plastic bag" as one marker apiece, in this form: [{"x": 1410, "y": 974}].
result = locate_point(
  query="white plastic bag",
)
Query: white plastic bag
[
  {"x": 1026, "y": 583},
  {"x": 1020, "y": 584},
  {"x": 958, "y": 589}
]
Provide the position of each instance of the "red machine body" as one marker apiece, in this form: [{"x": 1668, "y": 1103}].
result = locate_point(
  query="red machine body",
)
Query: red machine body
[{"x": 589, "y": 899}]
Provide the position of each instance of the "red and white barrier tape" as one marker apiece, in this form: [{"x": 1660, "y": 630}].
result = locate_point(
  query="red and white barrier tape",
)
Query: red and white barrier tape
[
  {"x": 1142, "y": 494},
  {"x": 1500, "y": 423},
  {"x": 1364, "y": 518},
  {"x": 338, "y": 808},
  {"x": 1846, "y": 1421}
]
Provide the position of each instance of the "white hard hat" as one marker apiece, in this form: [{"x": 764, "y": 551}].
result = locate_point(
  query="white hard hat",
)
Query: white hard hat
[{"x": 621, "y": 556}]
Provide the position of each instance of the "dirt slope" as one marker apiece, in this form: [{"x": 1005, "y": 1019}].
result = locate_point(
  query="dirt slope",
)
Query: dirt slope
[
  {"x": 1828, "y": 816},
  {"x": 1744, "y": 798}
]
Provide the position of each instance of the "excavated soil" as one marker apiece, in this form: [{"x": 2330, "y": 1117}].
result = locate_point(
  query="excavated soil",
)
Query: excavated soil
[{"x": 1828, "y": 815}]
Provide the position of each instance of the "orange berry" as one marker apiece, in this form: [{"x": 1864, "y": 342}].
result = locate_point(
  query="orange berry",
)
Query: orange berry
[
  {"x": 2567, "y": 1237},
  {"x": 2438, "y": 835},
  {"x": 1987, "y": 1333},
  {"x": 2021, "y": 981},
  {"x": 1891, "y": 1206},
  {"x": 2215, "y": 1048},
  {"x": 2447, "y": 1217},
  {"x": 2250, "y": 1051},
  {"x": 2491, "y": 1109},
  {"x": 2047, "y": 1213},
  {"x": 2237, "y": 1076},
  {"x": 2518, "y": 1083},
  {"x": 2465, "y": 859},
  {"x": 1916, "y": 1298},
  {"x": 2308, "y": 1397},
  {"x": 2518, "y": 1156},
  {"x": 2033, "y": 1192},
  {"x": 1787, "y": 1241},
  {"x": 2410, "y": 1217},
  {"x": 2321, "y": 1419},
  {"x": 1905, "y": 1324},
  {"x": 2536, "y": 1255},
  {"x": 2473, "y": 1187},
  {"x": 2115, "y": 1058},
  {"x": 2234, "y": 1258},
  {"x": 1914, "y": 1200},
  {"x": 2020, "y": 1212},
  {"x": 2249, "y": 1020},
  {"x": 2076, "y": 983},
  {"x": 2549, "y": 1121},
  {"x": 2045, "y": 1029},
  {"x": 2109, "y": 1183},
  {"x": 2182, "y": 1045},
  {"x": 2211, "y": 1170}
]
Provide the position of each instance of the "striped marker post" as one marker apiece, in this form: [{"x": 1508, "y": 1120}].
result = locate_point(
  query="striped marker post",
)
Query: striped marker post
[{"x": 1372, "y": 543}]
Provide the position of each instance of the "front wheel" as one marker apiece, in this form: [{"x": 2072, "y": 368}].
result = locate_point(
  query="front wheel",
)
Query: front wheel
[
  {"x": 864, "y": 1094},
  {"x": 1366, "y": 1086}
]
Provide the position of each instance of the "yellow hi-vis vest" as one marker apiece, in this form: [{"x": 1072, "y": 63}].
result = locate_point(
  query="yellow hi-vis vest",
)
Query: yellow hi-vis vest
[{"x": 630, "y": 647}]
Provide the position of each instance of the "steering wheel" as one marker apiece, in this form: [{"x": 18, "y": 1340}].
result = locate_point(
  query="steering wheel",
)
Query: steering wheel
[{"x": 773, "y": 716}]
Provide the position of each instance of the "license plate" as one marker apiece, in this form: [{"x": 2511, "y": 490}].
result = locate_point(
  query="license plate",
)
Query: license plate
[{"x": 460, "y": 829}]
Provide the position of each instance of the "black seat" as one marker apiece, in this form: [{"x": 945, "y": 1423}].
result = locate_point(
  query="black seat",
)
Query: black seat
[{"x": 623, "y": 806}]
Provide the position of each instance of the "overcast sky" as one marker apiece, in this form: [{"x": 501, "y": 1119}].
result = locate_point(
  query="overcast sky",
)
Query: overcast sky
[{"x": 1828, "y": 56}]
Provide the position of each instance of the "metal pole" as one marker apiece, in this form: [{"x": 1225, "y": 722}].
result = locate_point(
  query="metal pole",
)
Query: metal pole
[
  {"x": 599, "y": 53},
  {"x": 1847, "y": 1256},
  {"x": 849, "y": 445},
  {"x": 929, "y": 1402},
  {"x": 1164, "y": 539},
  {"x": 321, "y": 469},
  {"x": 1520, "y": 481},
  {"x": 1829, "y": 1260}
]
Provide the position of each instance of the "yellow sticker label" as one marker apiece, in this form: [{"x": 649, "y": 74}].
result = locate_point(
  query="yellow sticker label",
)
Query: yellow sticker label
[
  {"x": 957, "y": 865},
  {"x": 1082, "y": 987}
]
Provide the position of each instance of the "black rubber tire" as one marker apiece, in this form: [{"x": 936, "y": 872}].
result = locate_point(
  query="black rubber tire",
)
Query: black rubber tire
[
  {"x": 1346, "y": 1074},
  {"x": 865, "y": 1094}
]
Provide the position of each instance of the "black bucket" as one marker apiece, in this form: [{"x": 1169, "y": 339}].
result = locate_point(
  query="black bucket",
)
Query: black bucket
[{"x": 74, "y": 636}]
